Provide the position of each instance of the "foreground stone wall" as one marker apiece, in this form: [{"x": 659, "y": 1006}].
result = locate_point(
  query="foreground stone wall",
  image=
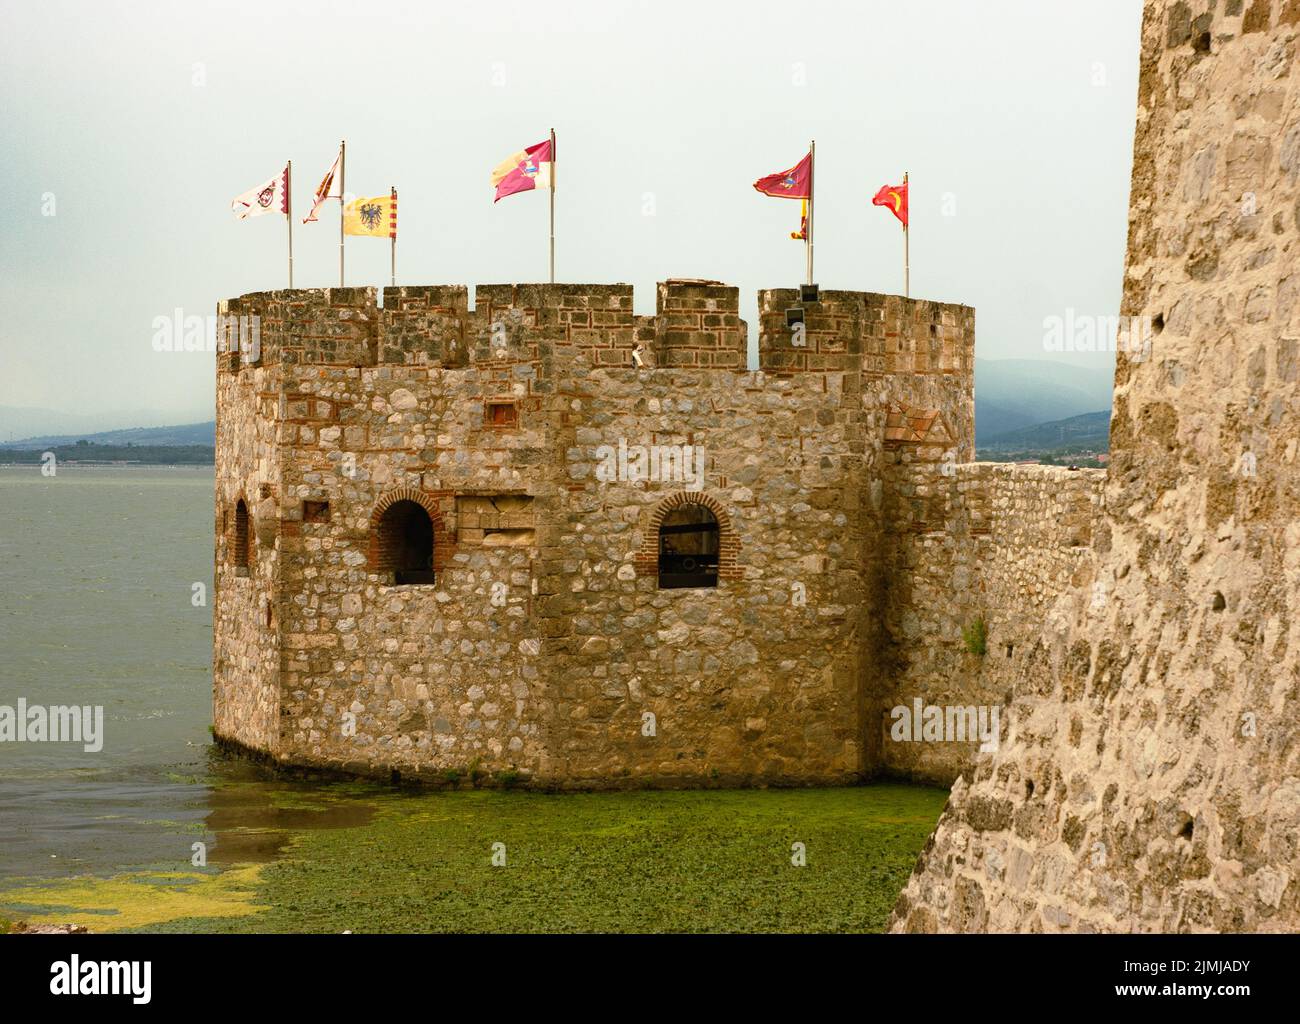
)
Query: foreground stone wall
[{"x": 1148, "y": 778}]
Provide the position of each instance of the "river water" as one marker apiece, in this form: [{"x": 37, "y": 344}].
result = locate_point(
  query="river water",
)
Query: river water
[{"x": 99, "y": 606}]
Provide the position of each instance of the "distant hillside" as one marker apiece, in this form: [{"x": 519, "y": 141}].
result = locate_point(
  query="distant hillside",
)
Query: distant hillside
[
  {"x": 992, "y": 420},
  {"x": 17, "y": 422},
  {"x": 1091, "y": 429},
  {"x": 203, "y": 434},
  {"x": 1015, "y": 393},
  {"x": 144, "y": 455}
]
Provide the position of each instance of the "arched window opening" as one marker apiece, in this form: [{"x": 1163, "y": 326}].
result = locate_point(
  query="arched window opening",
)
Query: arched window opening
[
  {"x": 688, "y": 548},
  {"x": 240, "y": 551},
  {"x": 406, "y": 543}
]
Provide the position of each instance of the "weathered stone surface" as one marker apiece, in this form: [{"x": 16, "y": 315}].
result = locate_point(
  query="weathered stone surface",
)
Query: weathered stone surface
[{"x": 1148, "y": 777}]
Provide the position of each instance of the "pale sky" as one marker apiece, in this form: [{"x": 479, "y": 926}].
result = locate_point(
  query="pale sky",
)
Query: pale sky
[{"x": 144, "y": 119}]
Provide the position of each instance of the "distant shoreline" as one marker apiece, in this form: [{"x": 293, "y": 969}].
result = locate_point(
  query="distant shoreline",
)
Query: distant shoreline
[
  {"x": 70, "y": 464},
  {"x": 85, "y": 454}
]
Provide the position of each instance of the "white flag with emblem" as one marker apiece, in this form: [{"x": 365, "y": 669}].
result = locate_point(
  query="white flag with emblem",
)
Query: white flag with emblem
[{"x": 269, "y": 197}]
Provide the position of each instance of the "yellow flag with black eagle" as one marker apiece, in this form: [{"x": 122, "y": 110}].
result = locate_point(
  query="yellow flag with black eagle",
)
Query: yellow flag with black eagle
[{"x": 375, "y": 216}]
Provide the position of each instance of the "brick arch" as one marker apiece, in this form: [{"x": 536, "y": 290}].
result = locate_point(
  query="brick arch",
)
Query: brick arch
[
  {"x": 442, "y": 543},
  {"x": 647, "y": 556}
]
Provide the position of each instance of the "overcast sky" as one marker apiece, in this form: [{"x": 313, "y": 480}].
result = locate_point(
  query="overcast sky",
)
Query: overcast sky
[{"x": 144, "y": 119}]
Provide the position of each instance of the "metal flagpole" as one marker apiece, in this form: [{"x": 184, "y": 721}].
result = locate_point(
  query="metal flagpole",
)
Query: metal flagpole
[
  {"x": 393, "y": 235},
  {"x": 907, "y": 263},
  {"x": 552, "y": 206},
  {"x": 288, "y": 210},
  {"x": 812, "y": 161},
  {"x": 342, "y": 160}
]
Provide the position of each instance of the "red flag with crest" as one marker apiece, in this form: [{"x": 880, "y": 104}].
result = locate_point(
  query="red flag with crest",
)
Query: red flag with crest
[{"x": 796, "y": 183}]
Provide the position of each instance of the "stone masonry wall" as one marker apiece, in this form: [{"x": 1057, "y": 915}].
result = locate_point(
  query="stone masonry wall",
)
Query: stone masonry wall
[
  {"x": 1148, "y": 778},
  {"x": 421, "y": 680},
  {"x": 974, "y": 542},
  {"x": 245, "y": 656},
  {"x": 545, "y": 647},
  {"x": 757, "y": 680}
]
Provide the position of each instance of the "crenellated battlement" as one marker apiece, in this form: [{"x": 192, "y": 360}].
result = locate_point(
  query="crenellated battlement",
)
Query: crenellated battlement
[
  {"x": 878, "y": 334},
  {"x": 696, "y": 325}
]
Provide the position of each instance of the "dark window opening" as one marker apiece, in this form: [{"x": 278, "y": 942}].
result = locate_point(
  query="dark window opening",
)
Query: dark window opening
[
  {"x": 315, "y": 511},
  {"x": 406, "y": 543},
  {"x": 502, "y": 414},
  {"x": 239, "y": 554},
  {"x": 688, "y": 548}
]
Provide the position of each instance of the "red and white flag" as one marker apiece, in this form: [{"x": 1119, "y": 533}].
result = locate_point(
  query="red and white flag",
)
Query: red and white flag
[
  {"x": 528, "y": 169},
  {"x": 269, "y": 197},
  {"x": 325, "y": 190}
]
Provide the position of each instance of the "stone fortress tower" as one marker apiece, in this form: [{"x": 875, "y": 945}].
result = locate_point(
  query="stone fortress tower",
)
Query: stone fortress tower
[{"x": 438, "y": 552}]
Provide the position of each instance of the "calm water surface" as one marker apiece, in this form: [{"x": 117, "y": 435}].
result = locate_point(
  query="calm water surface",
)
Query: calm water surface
[{"x": 98, "y": 568}]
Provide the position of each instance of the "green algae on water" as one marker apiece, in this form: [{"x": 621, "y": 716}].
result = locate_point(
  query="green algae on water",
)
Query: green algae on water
[
  {"x": 365, "y": 859},
  {"x": 650, "y": 861}
]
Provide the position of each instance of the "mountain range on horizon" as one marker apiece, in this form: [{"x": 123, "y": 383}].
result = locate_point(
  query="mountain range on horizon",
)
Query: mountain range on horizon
[
  {"x": 181, "y": 435},
  {"x": 20, "y": 424},
  {"x": 1010, "y": 395},
  {"x": 1089, "y": 428}
]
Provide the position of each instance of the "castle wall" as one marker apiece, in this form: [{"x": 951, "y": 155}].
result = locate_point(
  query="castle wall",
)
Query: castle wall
[
  {"x": 1147, "y": 779},
  {"x": 436, "y": 680},
  {"x": 245, "y": 658},
  {"x": 757, "y": 680},
  {"x": 974, "y": 542}
]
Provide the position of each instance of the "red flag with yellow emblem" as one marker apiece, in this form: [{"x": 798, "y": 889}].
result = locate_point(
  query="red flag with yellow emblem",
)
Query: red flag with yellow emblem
[{"x": 895, "y": 198}]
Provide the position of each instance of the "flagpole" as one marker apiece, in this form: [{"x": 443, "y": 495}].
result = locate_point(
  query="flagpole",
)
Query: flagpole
[
  {"x": 288, "y": 209},
  {"x": 342, "y": 161},
  {"x": 393, "y": 236},
  {"x": 552, "y": 206},
  {"x": 812, "y": 160},
  {"x": 907, "y": 262}
]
